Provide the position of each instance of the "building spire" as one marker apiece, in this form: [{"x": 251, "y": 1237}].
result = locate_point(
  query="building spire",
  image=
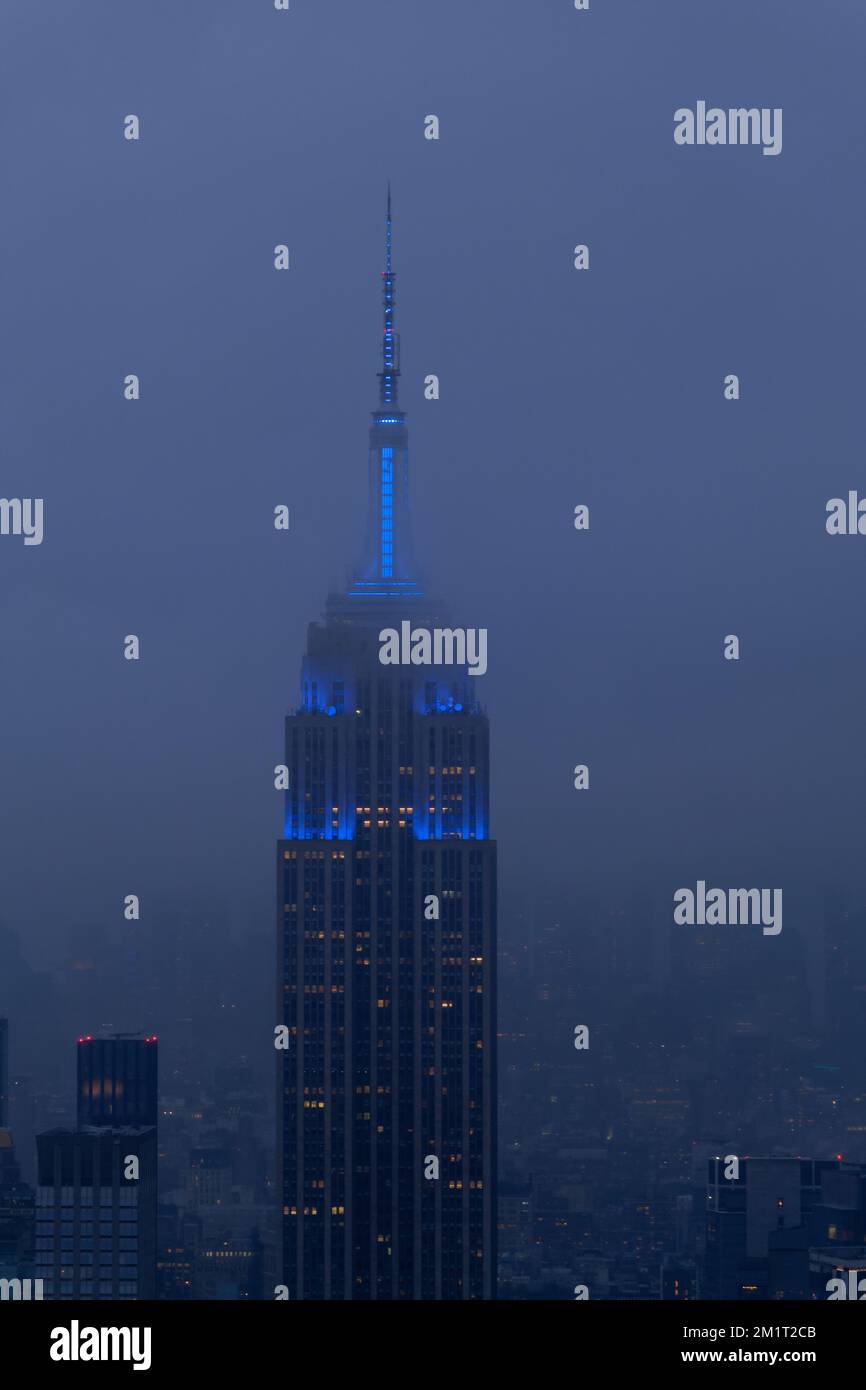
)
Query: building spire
[
  {"x": 386, "y": 571},
  {"x": 390, "y": 373}
]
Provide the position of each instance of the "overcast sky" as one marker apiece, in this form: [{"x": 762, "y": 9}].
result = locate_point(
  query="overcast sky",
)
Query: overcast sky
[{"x": 557, "y": 388}]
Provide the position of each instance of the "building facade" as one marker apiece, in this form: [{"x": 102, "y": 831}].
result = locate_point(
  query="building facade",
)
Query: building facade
[
  {"x": 386, "y": 936},
  {"x": 96, "y": 1227}
]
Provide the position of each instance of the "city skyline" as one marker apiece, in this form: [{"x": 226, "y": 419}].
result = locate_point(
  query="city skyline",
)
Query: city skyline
[{"x": 564, "y": 1005}]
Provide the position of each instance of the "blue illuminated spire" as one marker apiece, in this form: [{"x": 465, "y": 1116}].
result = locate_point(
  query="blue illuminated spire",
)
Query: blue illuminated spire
[
  {"x": 387, "y": 569},
  {"x": 389, "y": 375}
]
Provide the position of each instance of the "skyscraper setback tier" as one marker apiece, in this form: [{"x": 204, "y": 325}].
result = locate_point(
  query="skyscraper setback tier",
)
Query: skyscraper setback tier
[{"x": 386, "y": 938}]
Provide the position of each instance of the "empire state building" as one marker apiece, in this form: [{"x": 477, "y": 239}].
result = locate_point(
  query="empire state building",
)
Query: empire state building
[{"x": 386, "y": 961}]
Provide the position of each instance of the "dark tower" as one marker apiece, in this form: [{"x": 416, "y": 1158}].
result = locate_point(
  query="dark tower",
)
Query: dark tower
[
  {"x": 386, "y": 936},
  {"x": 117, "y": 1081}
]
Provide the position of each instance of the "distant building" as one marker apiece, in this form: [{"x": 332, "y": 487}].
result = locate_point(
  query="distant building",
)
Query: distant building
[
  {"x": 16, "y": 1215},
  {"x": 209, "y": 1182},
  {"x": 678, "y": 1280},
  {"x": 767, "y": 1207},
  {"x": 4, "y": 1072},
  {"x": 175, "y": 1253}
]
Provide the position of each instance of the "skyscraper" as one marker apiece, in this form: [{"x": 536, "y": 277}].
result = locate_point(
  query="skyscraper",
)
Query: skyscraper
[
  {"x": 386, "y": 935},
  {"x": 117, "y": 1081},
  {"x": 96, "y": 1201},
  {"x": 95, "y": 1224}
]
